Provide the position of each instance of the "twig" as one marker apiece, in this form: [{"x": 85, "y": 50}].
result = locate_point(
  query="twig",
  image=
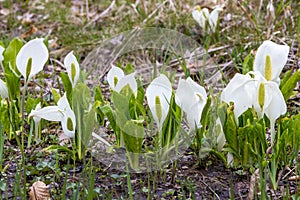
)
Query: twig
[
  {"x": 102, "y": 14},
  {"x": 211, "y": 189},
  {"x": 87, "y": 10},
  {"x": 154, "y": 11},
  {"x": 58, "y": 62},
  {"x": 249, "y": 16}
]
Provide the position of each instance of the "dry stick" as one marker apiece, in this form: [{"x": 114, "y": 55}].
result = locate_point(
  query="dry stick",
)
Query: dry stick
[
  {"x": 134, "y": 5},
  {"x": 97, "y": 17},
  {"x": 149, "y": 16},
  {"x": 211, "y": 189},
  {"x": 87, "y": 10},
  {"x": 248, "y": 15}
]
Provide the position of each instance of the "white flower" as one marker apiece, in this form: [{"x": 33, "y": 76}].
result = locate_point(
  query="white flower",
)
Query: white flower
[
  {"x": 72, "y": 67},
  {"x": 191, "y": 98},
  {"x": 203, "y": 17},
  {"x": 268, "y": 100},
  {"x": 68, "y": 121},
  {"x": 32, "y": 57},
  {"x": 1, "y": 54},
  {"x": 270, "y": 59},
  {"x": 263, "y": 95},
  {"x": 36, "y": 119},
  {"x": 213, "y": 18},
  {"x": 117, "y": 80},
  {"x": 62, "y": 112},
  {"x": 239, "y": 91},
  {"x": 3, "y": 89},
  {"x": 158, "y": 96}
]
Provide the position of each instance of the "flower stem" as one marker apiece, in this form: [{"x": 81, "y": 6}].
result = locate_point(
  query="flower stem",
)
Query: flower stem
[{"x": 23, "y": 100}]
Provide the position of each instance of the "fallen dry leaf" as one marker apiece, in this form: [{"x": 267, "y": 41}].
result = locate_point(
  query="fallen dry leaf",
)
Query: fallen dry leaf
[
  {"x": 32, "y": 30},
  {"x": 39, "y": 191}
]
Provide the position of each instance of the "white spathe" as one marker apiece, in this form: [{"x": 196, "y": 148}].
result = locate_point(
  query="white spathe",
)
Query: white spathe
[
  {"x": 203, "y": 17},
  {"x": 3, "y": 89},
  {"x": 264, "y": 96},
  {"x": 278, "y": 57},
  {"x": 158, "y": 96},
  {"x": 62, "y": 112},
  {"x": 69, "y": 61},
  {"x": 35, "y": 50},
  {"x": 213, "y": 18},
  {"x": 36, "y": 119},
  {"x": 273, "y": 101},
  {"x": 240, "y": 91},
  {"x": 118, "y": 80},
  {"x": 191, "y": 98},
  {"x": 1, "y": 54}
]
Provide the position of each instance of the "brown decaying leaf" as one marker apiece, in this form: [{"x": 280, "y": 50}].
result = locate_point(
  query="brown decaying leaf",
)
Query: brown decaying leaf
[{"x": 39, "y": 191}]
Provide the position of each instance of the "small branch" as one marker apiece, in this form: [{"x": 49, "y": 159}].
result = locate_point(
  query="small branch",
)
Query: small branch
[
  {"x": 97, "y": 17},
  {"x": 154, "y": 11},
  {"x": 217, "y": 196},
  {"x": 249, "y": 16}
]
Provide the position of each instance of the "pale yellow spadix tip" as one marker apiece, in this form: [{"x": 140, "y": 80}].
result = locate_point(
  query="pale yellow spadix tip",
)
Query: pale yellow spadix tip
[
  {"x": 158, "y": 108},
  {"x": 261, "y": 95},
  {"x": 268, "y": 68}
]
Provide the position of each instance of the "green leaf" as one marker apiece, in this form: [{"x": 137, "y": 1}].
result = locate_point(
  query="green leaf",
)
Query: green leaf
[
  {"x": 31, "y": 104},
  {"x": 247, "y": 65},
  {"x": 13, "y": 85},
  {"x": 11, "y": 52},
  {"x": 67, "y": 85},
  {"x": 85, "y": 116},
  {"x": 290, "y": 84},
  {"x": 286, "y": 77},
  {"x": 98, "y": 95},
  {"x": 133, "y": 138},
  {"x": 109, "y": 113},
  {"x": 129, "y": 69},
  {"x": 230, "y": 131},
  {"x": 206, "y": 108},
  {"x": 55, "y": 95}
]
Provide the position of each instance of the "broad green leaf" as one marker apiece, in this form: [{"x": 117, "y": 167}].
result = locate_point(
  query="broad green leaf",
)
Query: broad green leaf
[
  {"x": 286, "y": 77},
  {"x": 85, "y": 116},
  {"x": 98, "y": 95},
  {"x": 230, "y": 131},
  {"x": 55, "y": 95},
  {"x": 109, "y": 113},
  {"x": 31, "y": 103},
  {"x": 290, "y": 84},
  {"x": 11, "y": 52},
  {"x": 247, "y": 65},
  {"x": 67, "y": 85},
  {"x": 13, "y": 85},
  {"x": 133, "y": 139},
  {"x": 129, "y": 68},
  {"x": 204, "y": 116}
]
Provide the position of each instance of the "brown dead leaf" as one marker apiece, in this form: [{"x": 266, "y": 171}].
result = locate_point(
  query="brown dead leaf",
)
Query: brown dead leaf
[
  {"x": 39, "y": 191},
  {"x": 32, "y": 30}
]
